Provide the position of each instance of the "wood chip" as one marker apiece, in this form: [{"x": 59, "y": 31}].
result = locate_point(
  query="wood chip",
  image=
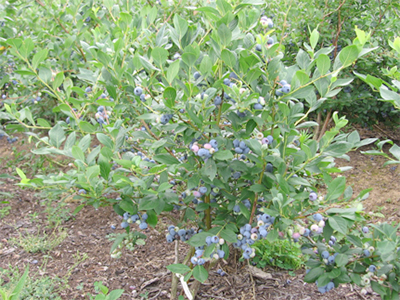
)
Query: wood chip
[{"x": 259, "y": 273}]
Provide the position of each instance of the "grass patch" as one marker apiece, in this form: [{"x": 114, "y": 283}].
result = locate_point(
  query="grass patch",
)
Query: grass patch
[{"x": 40, "y": 242}]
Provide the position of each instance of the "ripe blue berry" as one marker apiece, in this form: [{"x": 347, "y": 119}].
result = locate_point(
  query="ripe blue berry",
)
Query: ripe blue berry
[
  {"x": 217, "y": 100},
  {"x": 143, "y": 225},
  {"x": 257, "y": 106},
  {"x": 286, "y": 88},
  {"x": 325, "y": 254},
  {"x": 366, "y": 253},
  {"x": 138, "y": 91},
  {"x": 372, "y": 268},
  {"x": 365, "y": 229},
  {"x": 196, "y": 75},
  {"x": 215, "y": 239},
  {"x": 258, "y": 47},
  {"x": 313, "y": 196},
  {"x": 317, "y": 217}
]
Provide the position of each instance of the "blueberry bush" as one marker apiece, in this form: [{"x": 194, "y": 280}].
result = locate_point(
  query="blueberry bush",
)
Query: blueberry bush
[
  {"x": 192, "y": 111},
  {"x": 335, "y": 21}
]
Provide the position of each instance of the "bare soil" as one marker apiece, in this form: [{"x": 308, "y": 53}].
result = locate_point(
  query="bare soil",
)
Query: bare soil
[{"x": 142, "y": 272}]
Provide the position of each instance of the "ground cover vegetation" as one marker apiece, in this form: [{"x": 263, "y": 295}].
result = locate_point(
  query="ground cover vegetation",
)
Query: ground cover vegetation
[{"x": 214, "y": 115}]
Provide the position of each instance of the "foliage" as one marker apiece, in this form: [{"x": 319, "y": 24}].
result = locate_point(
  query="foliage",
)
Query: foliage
[
  {"x": 15, "y": 292},
  {"x": 40, "y": 288},
  {"x": 195, "y": 113},
  {"x": 44, "y": 242},
  {"x": 280, "y": 253},
  {"x": 102, "y": 292},
  {"x": 335, "y": 22}
]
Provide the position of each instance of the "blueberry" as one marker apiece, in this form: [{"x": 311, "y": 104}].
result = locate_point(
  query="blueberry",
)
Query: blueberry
[
  {"x": 144, "y": 217},
  {"x": 283, "y": 82},
  {"x": 367, "y": 253},
  {"x": 138, "y": 91},
  {"x": 124, "y": 224},
  {"x": 215, "y": 239},
  {"x": 227, "y": 81},
  {"x": 325, "y": 254},
  {"x": 269, "y": 168},
  {"x": 286, "y": 88},
  {"x": 372, "y": 268},
  {"x": 270, "y": 139},
  {"x": 258, "y": 47},
  {"x": 196, "y": 75},
  {"x": 365, "y": 229},
  {"x": 221, "y": 253},
  {"x": 238, "y": 150},
  {"x": 330, "y": 286},
  {"x": 213, "y": 143},
  {"x": 203, "y": 190},
  {"x": 317, "y": 217},
  {"x": 217, "y": 100},
  {"x": 279, "y": 92},
  {"x": 270, "y": 41},
  {"x": 331, "y": 259},
  {"x": 170, "y": 238},
  {"x": 88, "y": 89},
  {"x": 143, "y": 97},
  {"x": 313, "y": 196},
  {"x": 258, "y": 106},
  {"x": 143, "y": 225},
  {"x": 236, "y": 208}
]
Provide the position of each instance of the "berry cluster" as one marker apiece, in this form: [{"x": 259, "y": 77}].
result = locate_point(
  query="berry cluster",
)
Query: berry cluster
[
  {"x": 136, "y": 218},
  {"x": 284, "y": 89},
  {"x": 200, "y": 259},
  {"x": 240, "y": 147},
  {"x": 102, "y": 115},
  {"x": 207, "y": 151},
  {"x": 249, "y": 235},
  {"x": 166, "y": 118},
  {"x": 175, "y": 233}
]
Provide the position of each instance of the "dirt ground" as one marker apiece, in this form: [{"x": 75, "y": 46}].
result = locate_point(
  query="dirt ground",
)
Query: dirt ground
[{"x": 142, "y": 273}]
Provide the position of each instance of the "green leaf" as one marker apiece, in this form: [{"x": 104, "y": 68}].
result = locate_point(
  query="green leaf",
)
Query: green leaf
[
  {"x": 169, "y": 97},
  {"x": 210, "y": 169},
  {"x": 167, "y": 159},
  {"x": 336, "y": 188},
  {"x": 388, "y": 95},
  {"x": 205, "y": 65},
  {"x": 223, "y": 155},
  {"x": 323, "y": 63},
  {"x": 341, "y": 259},
  {"x": 313, "y": 275},
  {"x": 314, "y": 38},
  {"x": 348, "y": 55},
  {"x": 115, "y": 294},
  {"x": 45, "y": 74},
  {"x": 58, "y": 80},
  {"x": 87, "y": 75},
  {"x": 181, "y": 25},
  {"x": 77, "y": 153},
  {"x": 173, "y": 70},
  {"x": 105, "y": 140},
  {"x": 57, "y": 136},
  {"x": 199, "y": 239},
  {"x": 159, "y": 55},
  {"x": 395, "y": 150},
  {"x": 338, "y": 223},
  {"x": 20, "y": 285},
  {"x": 179, "y": 268},
  {"x": 228, "y": 235},
  {"x": 200, "y": 273},
  {"x": 225, "y": 34},
  {"x": 229, "y": 57},
  {"x": 39, "y": 57}
]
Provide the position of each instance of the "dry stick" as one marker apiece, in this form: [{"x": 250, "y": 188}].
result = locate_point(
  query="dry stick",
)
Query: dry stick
[
  {"x": 316, "y": 131},
  {"x": 380, "y": 17},
  {"x": 174, "y": 283},
  {"x": 328, "y": 118}
]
